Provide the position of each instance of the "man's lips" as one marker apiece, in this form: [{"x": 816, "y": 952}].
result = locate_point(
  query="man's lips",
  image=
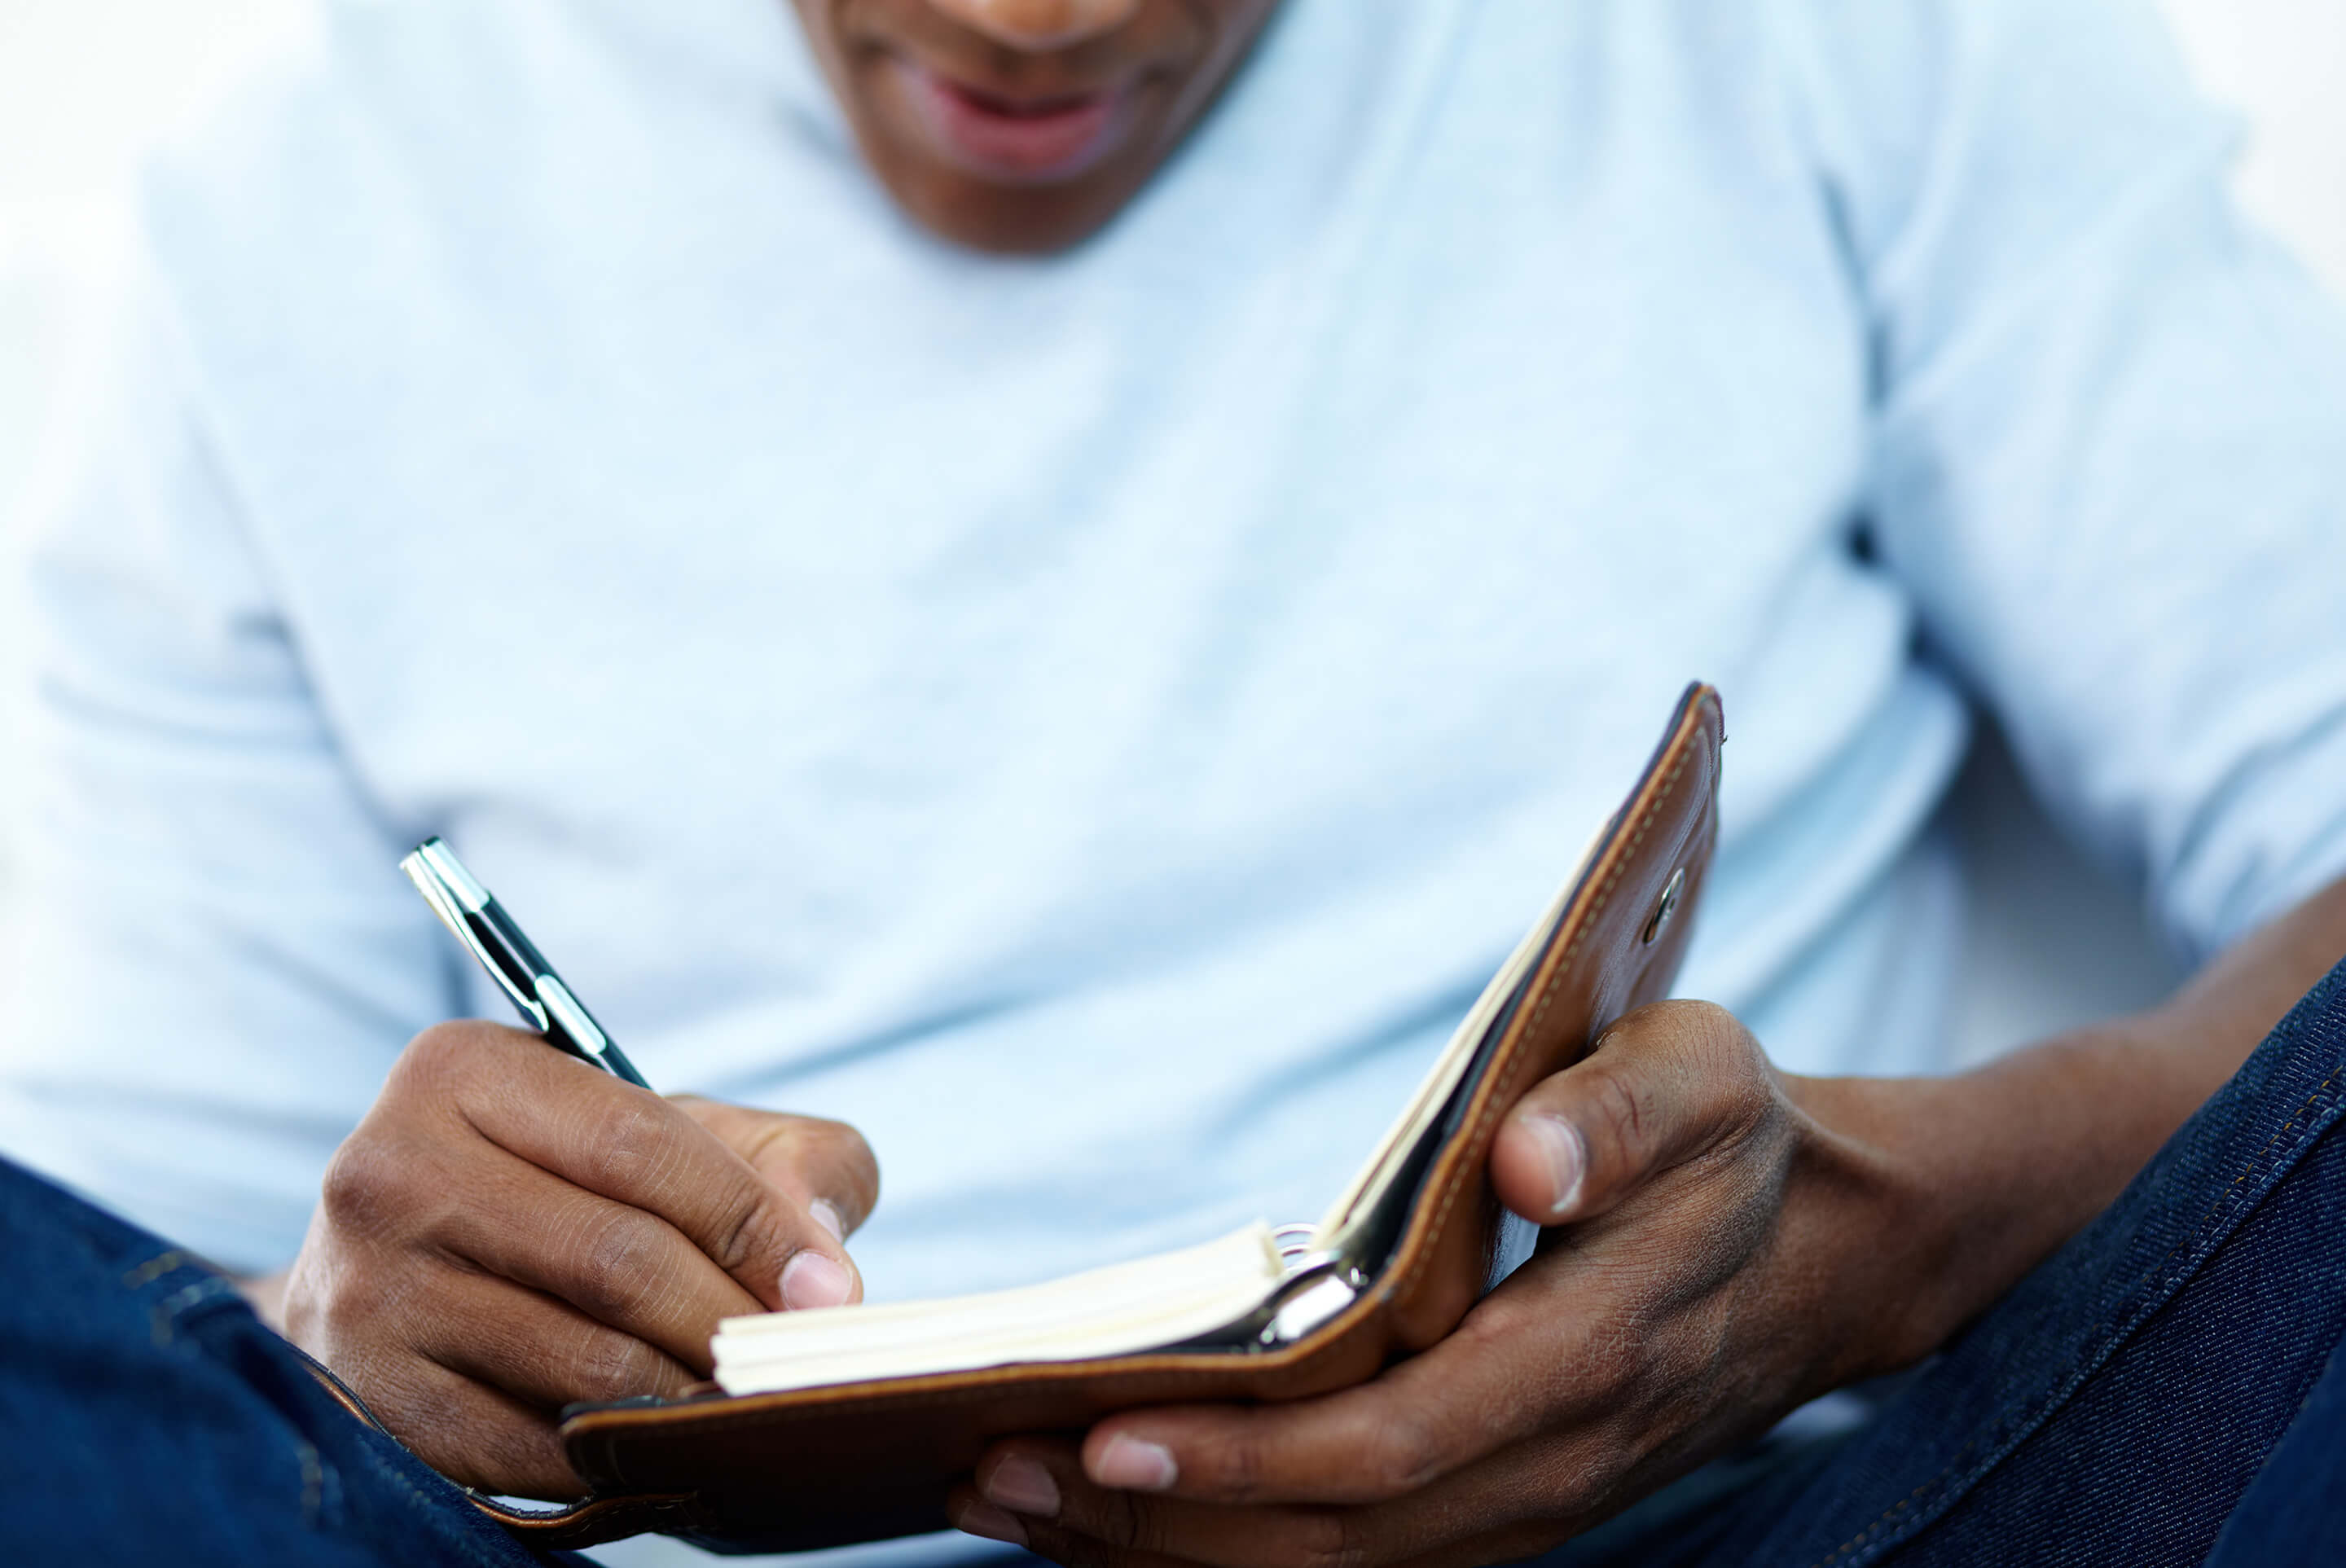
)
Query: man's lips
[{"x": 1021, "y": 139}]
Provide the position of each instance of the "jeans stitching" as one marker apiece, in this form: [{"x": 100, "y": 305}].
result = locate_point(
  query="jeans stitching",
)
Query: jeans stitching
[
  {"x": 154, "y": 1268},
  {"x": 323, "y": 1490},
  {"x": 313, "y": 1481},
  {"x": 2086, "y": 1363},
  {"x": 163, "y": 1317},
  {"x": 2230, "y": 1194},
  {"x": 432, "y": 1506},
  {"x": 319, "y": 1483},
  {"x": 205, "y": 1289}
]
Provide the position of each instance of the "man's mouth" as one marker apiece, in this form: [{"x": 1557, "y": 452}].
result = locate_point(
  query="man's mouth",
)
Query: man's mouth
[{"x": 1023, "y": 140}]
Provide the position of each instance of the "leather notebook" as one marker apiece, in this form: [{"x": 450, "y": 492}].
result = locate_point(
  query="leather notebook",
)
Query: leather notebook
[{"x": 830, "y": 1453}]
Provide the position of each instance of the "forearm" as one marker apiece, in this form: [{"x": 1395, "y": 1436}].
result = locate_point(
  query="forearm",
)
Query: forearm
[{"x": 1973, "y": 1179}]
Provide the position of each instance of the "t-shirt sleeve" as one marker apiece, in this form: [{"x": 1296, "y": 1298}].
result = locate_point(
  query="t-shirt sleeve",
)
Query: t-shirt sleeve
[
  {"x": 2110, "y": 454},
  {"x": 218, "y": 958}
]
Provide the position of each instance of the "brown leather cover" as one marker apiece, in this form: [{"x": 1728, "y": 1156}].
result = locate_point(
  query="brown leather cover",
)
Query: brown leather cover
[{"x": 861, "y": 1461}]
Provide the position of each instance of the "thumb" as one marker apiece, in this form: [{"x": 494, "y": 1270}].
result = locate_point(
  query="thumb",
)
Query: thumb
[
  {"x": 823, "y": 1165},
  {"x": 826, "y": 1172},
  {"x": 1664, "y": 1086}
]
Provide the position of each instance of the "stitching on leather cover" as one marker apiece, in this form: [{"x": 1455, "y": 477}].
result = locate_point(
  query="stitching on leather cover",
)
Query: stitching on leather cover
[{"x": 1496, "y": 1099}]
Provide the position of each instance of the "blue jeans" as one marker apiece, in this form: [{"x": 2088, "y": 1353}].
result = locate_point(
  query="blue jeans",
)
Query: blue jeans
[
  {"x": 148, "y": 1417},
  {"x": 2168, "y": 1386},
  {"x": 2171, "y": 1384}
]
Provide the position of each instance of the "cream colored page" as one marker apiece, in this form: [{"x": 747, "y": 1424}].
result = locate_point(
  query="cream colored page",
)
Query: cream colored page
[
  {"x": 1128, "y": 1306},
  {"x": 1368, "y": 1190}
]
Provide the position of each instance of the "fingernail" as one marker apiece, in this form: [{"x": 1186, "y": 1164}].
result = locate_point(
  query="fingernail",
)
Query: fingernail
[
  {"x": 982, "y": 1519},
  {"x": 1023, "y": 1486},
  {"x": 1130, "y": 1464},
  {"x": 811, "y": 1279},
  {"x": 1567, "y": 1160},
  {"x": 826, "y": 1215}
]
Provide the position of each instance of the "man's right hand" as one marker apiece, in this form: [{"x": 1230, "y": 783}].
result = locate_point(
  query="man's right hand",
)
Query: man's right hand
[{"x": 510, "y": 1230}]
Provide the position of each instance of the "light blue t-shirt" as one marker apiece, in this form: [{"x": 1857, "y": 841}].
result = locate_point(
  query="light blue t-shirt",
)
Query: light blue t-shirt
[{"x": 1094, "y": 722}]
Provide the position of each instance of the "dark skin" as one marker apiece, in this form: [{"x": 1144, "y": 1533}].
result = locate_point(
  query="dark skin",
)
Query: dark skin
[
  {"x": 1160, "y": 63},
  {"x": 1739, "y": 1241},
  {"x": 509, "y": 1230}
]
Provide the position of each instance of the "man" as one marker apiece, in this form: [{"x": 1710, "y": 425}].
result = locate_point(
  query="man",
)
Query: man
[
  {"x": 169, "y": 1423},
  {"x": 1082, "y": 685}
]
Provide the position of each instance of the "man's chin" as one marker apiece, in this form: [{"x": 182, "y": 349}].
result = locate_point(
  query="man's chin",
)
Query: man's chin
[{"x": 1022, "y": 217}]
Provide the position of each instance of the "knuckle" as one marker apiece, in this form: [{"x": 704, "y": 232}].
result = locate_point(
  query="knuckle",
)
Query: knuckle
[
  {"x": 367, "y": 1190},
  {"x": 816, "y": 1152},
  {"x": 844, "y": 1151},
  {"x": 1237, "y": 1468},
  {"x": 1704, "y": 1025},
  {"x": 1719, "y": 1039},
  {"x": 441, "y": 1055},
  {"x": 1730, "y": 1064},
  {"x": 748, "y": 1229},
  {"x": 614, "y": 1273},
  {"x": 1401, "y": 1460},
  {"x": 843, "y": 1145},
  {"x": 1619, "y": 1117},
  {"x": 806, "y": 1157},
  {"x": 614, "y": 1366},
  {"x": 631, "y": 1135}
]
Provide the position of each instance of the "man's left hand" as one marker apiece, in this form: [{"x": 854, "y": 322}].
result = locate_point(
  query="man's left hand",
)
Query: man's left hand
[{"x": 1720, "y": 1258}]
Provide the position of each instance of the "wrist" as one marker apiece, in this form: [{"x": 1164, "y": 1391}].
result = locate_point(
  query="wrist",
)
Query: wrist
[
  {"x": 1873, "y": 1228},
  {"x": 1951, "y": 1189}
]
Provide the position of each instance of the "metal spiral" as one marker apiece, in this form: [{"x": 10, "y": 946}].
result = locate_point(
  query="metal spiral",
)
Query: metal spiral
[{"x": 1293, "y": 1241}]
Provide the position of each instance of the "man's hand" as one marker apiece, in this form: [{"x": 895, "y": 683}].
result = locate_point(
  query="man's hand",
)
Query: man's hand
[
  {"x": 510, "y": 1230},
  {"x": 1731, "y": 1241},
  {"x": 1701, "y": 1290}
]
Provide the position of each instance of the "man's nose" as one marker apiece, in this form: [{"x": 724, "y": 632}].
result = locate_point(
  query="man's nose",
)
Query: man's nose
[{"x": 1039, "y": 23}]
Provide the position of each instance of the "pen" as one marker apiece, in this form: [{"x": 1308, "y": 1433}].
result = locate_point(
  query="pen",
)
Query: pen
[{"x": 513, "y": 960}]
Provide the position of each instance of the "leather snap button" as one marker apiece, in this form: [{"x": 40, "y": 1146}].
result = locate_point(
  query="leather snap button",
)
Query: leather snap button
[{"x": 1668, "y": 907}]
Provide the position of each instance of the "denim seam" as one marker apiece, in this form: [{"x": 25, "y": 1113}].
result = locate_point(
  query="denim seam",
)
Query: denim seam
[
  {"x": 2098, "y": 1353},
  {"x": 347, "y": 1400},
  {"x": 154, "y": 1268},
  {"x": 2231, "y": 1194},
  {"x": 313, "y": 1482},
  {"x": 164, "y": 1316},
  {"x": 429, "y": 1505},
  {"x": 202, "y": 1290}
]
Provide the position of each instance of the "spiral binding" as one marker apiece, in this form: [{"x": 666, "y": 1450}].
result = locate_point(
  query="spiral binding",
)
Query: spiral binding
[{"x": 1294, "y": 1243}]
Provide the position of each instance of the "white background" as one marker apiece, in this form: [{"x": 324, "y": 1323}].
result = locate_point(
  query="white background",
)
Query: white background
[{"x": 85, "y": 82}]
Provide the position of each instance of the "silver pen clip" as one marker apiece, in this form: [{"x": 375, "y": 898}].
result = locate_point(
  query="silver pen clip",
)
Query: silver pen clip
[
  {"x": 453, "y": 894},
  {"x": 498, "y": 943}
]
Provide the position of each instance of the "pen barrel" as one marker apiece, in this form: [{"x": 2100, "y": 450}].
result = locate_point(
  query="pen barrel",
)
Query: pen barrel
[
  {"x": 553, "y": 1006},
  {"x": 495, "y": 928},
  {"x": 495, "y": 939}
]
